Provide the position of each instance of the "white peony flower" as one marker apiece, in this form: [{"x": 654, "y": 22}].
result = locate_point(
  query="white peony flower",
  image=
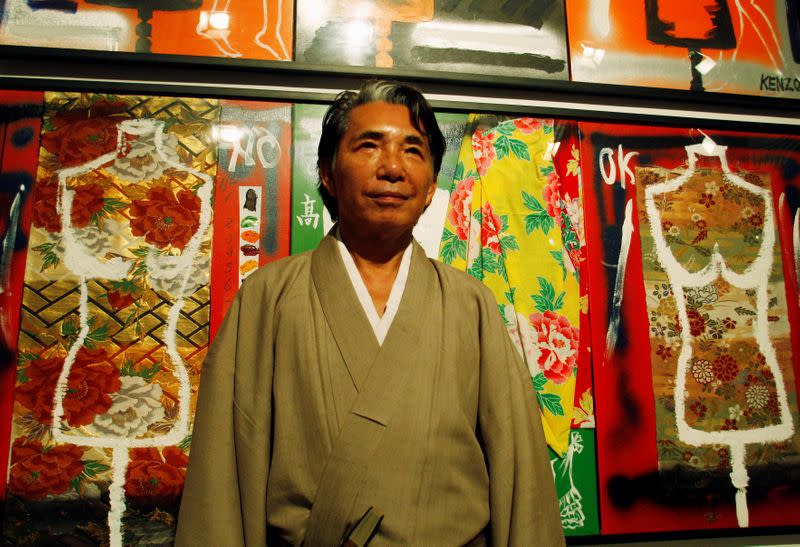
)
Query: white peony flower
[{"x": 134, "y": 408}]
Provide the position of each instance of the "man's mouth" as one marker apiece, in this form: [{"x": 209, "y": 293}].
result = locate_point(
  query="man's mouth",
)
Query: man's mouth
[{"x": 388, "y": 197}]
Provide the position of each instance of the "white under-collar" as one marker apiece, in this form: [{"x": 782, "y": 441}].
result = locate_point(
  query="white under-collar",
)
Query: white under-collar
[{"x": 380, "y": 324}]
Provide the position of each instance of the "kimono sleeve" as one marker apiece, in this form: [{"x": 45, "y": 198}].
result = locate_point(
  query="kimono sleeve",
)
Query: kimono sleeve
[
  {"x": 224, "y": 495},
  {"x": 523, "y": 505}
]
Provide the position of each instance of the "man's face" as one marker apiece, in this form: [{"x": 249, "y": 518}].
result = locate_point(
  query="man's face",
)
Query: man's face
[{"x": 383, "y": 174}]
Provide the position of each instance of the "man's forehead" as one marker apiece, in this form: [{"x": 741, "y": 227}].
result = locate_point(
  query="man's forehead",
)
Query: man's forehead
[{"x": 378, "y": 114}]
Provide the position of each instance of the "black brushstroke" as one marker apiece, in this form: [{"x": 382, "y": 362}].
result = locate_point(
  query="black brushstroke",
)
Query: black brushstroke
[
  {"x": 14, "y": 112},
  {"x": 67, "y": 6},
  {"x": 793, "y": 20},
  {"x": 22, "y": 137},
  {"x": 719, "y": 36},
  {"x": 535, "y": 61},
  {"x": 518, "y": 12},
  {"x": 683, "y": 486}
]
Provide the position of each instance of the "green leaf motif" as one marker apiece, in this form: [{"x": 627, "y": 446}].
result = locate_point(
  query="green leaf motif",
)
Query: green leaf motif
[
  {"x": 92, "y": 468},
  {"x": 501, "y": 147},
  {"x": 551, "y": 403},
  {"x": 520, "y": 149},
  {"x": 559, "y": 258},
  {"x": 509, "y": 243},
  {"x": 546, "y": 170},
  {"x": 459, "y": 172},
  {"x": 186, "y": 442},
  {"x": 510, "y": 295},
  {"x": 547, "y": 299},
  {"x": 506, "y": 128},
  {"x": 476, "y": 271},
  {"x": 539, "y": 381},
  {"x": 741, "y": 310},
  {"x": 539, "y": 220}
]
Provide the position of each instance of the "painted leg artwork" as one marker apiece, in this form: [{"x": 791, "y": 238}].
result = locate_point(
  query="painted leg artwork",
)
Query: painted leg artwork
[
  {"x": 114, "y": 321},
  {"x": 693, "y": 264}
]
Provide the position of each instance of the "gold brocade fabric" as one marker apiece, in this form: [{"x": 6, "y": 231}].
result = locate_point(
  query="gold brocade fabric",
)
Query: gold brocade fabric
[
  {"x": 729, "y": 385},
  {"x": 114, "y": 324}
]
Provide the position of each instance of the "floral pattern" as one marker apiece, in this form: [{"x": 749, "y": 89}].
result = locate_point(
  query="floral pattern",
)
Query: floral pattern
[
  {"x": 155, "y": 476},
  {"x": 728, "y": 383},
  {"x": 138, "y": 206},
  {"x": 39, "y": 471},
  {"x": 507, "y": 226}
]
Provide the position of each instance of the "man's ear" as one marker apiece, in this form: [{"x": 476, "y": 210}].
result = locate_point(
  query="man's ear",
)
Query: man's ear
[{"x": 326, "y": 177}]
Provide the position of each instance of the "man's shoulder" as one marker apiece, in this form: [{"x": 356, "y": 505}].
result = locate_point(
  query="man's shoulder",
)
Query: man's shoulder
[
  {"x": 461, "y": 282},
  {"x": 279, "y": 274}
]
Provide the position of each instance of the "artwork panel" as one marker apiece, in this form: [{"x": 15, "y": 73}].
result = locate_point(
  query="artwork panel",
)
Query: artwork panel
[
  {"x": 20, "y": 124},
  {"x": 508, "y": 38},
  {"x": 115, "y": 318},
  {"x": 713, "y": 45},
  {"x": 504, "y": 227},
  {"x": 252, "y": 195},
  {"x": 310, "y": 219},
  {"x": 670, "y": 484},
  {"x": 210, "y": 28},
  {"x": 576, "y": 484}
]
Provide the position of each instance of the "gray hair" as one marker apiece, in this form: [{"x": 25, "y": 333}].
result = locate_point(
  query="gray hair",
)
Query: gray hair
[{"x": 334, "y": 125}]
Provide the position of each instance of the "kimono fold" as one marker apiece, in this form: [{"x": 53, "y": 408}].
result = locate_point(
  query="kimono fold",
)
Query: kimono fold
[{"x": 304, "y": 421}]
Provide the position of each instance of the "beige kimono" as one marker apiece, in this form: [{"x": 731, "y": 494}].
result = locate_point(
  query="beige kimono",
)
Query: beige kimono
[{"x": 304, "y": 421}]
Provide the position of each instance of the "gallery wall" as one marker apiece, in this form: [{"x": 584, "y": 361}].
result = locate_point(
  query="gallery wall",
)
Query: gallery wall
[{"x": 660, "y": 253}]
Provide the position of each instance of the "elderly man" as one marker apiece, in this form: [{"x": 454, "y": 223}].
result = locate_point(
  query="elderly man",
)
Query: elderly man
[{"x": 363, "y": 379}]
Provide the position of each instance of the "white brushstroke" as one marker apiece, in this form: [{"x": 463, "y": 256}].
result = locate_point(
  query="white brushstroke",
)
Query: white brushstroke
[
  {"x": 571, "y": 503},
  {"x": 755, "y": 277},
  {"x": 218, "y": 36},
  {"x": 87, "y": 267},
  {"x": 600, "y": 16},
  {"x": 491, "y": 38},
  {"x": 8, "y": 240},
  {"x": 745, "y": 14},
  {"x": 96, "y": 29},
  {"x": 619, "y": 283},
  {"x": 284, "y": 55}
]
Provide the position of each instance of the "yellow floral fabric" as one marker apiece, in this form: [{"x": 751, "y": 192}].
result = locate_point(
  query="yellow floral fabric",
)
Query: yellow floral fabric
[{"x": 504, "y": 226}]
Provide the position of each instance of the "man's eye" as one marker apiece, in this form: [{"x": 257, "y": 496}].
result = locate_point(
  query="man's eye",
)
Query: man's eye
[
  {"x": 415, "y": 150},
  {"x": 367, "y": 144}
]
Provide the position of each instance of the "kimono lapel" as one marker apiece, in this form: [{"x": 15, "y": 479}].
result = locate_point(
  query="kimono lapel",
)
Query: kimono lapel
[
  {"x": 343, "y": 312},
  {"x": 411, "y": 351}
]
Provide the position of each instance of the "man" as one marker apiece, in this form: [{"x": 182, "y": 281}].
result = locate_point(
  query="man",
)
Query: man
[{"x": 364, "y": 375}]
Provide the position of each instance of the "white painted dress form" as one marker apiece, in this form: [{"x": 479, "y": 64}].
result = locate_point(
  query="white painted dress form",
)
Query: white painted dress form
[
  {"x": 145, "y": 155},
  {"x": 728, "y": 387}
]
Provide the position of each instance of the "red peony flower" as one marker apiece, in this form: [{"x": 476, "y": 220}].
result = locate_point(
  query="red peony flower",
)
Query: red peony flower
[
  {"x": 164, "y": 220},
  {"x": 527, "y": 125},
  {"x": 37, "y": 471},
  {"x": 550, "y": 195},
  {"x": 119, "y": 300},
  {"x": 45, "y": 201},
  {"x": 725, "y": 367},
  {"x": 87, "y": 200},
  {"x": 665, "y": 352},
  {"x": 154, "y": 476},
  {"x": 557, "y": 344},
  {"x": 82, "y": 135},
  {"x": 37, "y": 393},
  {"x": 459, "y": 211},
  {"x": 90, "y": 381},
  {"x": 490, "y": 229},
  {"x": 483, "y": 150}
]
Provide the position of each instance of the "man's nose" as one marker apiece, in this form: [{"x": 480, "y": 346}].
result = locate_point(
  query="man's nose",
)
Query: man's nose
[{"x": 391, "y": 165}]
